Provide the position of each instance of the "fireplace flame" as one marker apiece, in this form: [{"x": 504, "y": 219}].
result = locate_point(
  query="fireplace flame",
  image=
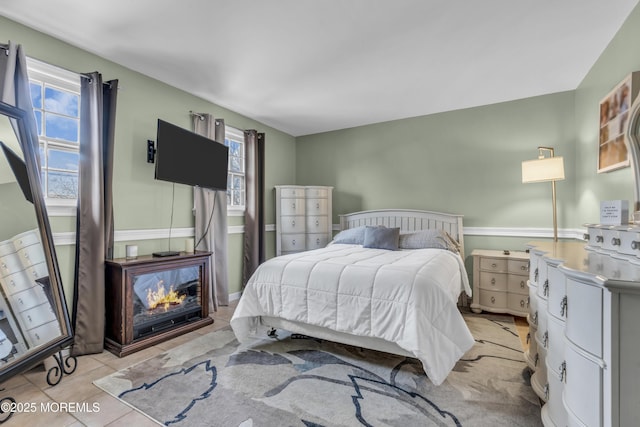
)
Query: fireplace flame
[{"x": 163, "y": 298}]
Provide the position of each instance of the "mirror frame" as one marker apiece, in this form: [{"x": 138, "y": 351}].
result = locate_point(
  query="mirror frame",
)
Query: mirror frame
[{"x": 38, "y": 354}]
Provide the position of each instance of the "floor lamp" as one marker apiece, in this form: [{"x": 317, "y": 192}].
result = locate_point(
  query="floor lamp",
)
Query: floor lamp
[{"x": 545, "y": 169}]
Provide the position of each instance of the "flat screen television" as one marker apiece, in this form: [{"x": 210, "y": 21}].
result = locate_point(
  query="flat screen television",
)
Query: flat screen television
[{"x": 185, "y": 157}]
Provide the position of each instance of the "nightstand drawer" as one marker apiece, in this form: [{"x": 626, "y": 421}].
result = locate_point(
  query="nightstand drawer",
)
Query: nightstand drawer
[
  {"x": 493, "y": 264},
  {"x": 516, "y": 266},
  {"x": 493, "y": 281},
  {"x": 518, "y": 284},
  {"x": 517, "y": 302},
  {"x": 493, "y": 299}
]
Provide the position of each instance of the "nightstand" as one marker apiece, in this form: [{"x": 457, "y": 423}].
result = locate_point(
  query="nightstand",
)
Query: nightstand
[{"x": 500, "y": 282}]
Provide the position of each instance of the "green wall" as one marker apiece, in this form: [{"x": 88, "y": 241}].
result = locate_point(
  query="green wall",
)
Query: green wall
[
  {"x": 468, "y": 161},
  {"x": 140, "y": 202}
]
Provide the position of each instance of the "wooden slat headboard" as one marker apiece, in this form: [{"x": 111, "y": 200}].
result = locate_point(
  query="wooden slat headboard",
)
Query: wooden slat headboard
[{"x": 408, "y": 220}]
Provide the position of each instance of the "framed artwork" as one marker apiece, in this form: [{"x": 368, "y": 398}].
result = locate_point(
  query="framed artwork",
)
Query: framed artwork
[{"x": 614, "y": 114}]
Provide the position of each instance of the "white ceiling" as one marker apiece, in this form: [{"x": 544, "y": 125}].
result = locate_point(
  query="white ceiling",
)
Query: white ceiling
[{"x": 309, "y": 66}]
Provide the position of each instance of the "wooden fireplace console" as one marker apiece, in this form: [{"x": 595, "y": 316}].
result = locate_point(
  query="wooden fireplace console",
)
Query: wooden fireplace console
[{"x": 120, "y": 276}]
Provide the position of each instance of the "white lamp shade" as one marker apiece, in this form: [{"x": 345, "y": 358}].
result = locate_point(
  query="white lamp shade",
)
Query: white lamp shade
[{"x": 540, "y": 170}]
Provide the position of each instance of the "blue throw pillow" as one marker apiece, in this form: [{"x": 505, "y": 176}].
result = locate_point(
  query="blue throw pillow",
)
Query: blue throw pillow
[
  {"x": 381, "y": 238},
  {"x": 351, "y": 236}
]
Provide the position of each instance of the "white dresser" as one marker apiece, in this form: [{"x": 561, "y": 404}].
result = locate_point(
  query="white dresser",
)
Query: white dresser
[
  {"x": 585, "y": 317},
  {"x": 23, "y": 274},
  {"x": 500, "y": 282},
  {"x": 303, "y": 218}
]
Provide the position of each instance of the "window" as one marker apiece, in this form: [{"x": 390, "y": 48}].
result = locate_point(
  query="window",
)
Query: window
[
  {"x": 234, "y": 139},
  {"x": 55, "y": 94}
]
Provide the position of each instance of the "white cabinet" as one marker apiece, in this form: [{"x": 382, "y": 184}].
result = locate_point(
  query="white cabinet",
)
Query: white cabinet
[
  {"x": 500, "y": 282},
  {"x": 303, "y": 218},
  {"x": 590, "y": 335}
]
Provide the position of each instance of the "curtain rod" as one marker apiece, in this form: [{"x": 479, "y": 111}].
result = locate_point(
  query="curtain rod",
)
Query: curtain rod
[{"x": 198, "y": 115}]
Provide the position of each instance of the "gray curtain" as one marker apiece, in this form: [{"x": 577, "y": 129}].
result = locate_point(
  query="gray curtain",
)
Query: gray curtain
[
  {"x": 210, "y": 209},
  {"x": 254, "y": 244},
  {"x": 94, "y": 221},
  {"x": 14, "y": 86}
]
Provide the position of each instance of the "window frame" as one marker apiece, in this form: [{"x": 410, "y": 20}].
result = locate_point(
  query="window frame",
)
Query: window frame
[
  {"x": 52, "y": 76},
  {"x": 237, "y": 135}
]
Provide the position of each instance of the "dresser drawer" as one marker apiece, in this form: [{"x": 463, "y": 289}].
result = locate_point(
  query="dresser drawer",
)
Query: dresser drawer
[
  {"x": 317, "y": 192},
  {"x": 316, "y": 241},
  {"x": 31, "y": 255},
  {"x": 37, "y": 271},
  {"x": 493, "y": 281},
  {"x": 37, "y": 315},
  {"x": 44, "y": 333},
  {"x": 317, "y": 224},
  {"x": 28, "y": 298},
  {"x": 292, "y": 224},
  {"x": 518, "y": 303},
  {"x": 518, "y": 284},
  {"x": 10, "y": 264},
  {"x": 16, "y": 282},
  {"x": 6, "y": 248},
  {"x": 493, "y": 299},
  {"x": 25, "y": 239},
  {"x": 292, "y": 192},
  {"x": 293, "y": 242},
  {"x": 557, "y": 292},
  {"x": 292, "y": 207},
  {"x": 583, "y": 387},
  {"x": 584, "y": 316},
  {"x": 316, "y": 206},
  {"x": 517, "y": 266},
  {"x": 493, "y": 264}
]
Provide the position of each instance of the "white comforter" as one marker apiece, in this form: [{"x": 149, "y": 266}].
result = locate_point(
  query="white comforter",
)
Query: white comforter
[{"x": 406, "y": 297}]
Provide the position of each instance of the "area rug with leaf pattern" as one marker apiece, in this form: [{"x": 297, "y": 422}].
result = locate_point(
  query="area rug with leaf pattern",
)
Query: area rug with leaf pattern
[{"x": 300, "y": 381}]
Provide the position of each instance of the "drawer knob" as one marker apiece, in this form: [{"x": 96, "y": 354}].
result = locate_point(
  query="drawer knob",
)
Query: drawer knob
[
  {"x": 535, "y": 359},
  {"x": 545, "y": 288},
  {"x": 293, "y": 223},
  {"x": 585, "y": 236},
  {"x": 535, "y": 275},
  {"x": 522, "y": 303},
  {"x": 20, "y": 301},
  {"x": 563, "y": 372},
  {"x": 524, "y": 268},
  {"x": 535, "y": 318},
  {"x": 493, "y": 300},
  {"x": 635, "y": 245},
  {"x": 528, "y": 337},
  {"x": 293, "y": 205},
  {"x": 317, "y": 223},
  {"x": 293, "y": 242},
  {"x": 522, "y": 284},
  {"x": 615, "y": 241},
  {"x": 493, "y": 281},
  {"x": 318, "y": 241},
  {"x": 29, "y": 318},
  {"x": 318, "y": 205},
  {"x": 545, "y": 339},
  {"x": 494, "y": 265},
  {"x": 599, "y": 239}
]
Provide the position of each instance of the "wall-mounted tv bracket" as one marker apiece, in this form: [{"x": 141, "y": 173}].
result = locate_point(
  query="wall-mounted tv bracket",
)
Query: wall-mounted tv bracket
[{"x": 151, "y": 151}]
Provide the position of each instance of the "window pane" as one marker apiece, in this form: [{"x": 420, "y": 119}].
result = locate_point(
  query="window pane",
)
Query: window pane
[
  {"x": 62, "y": 185},
  {"x": 61, "y": 127},
  {"x": 237, "y": 183},
  {"x": 36, "y": 94},
  {"x": 60, "y": 159},
  {"x": 235, "y": 149},
  {"x": 61, "y": 102},
  {"x": 42, "y": 163},
  {"x": 38, "y": 120},
  {"x": 235, "y": 164}
]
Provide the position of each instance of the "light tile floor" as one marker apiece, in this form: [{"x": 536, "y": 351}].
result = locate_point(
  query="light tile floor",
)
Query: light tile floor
[{"x": 31, "y": 387}]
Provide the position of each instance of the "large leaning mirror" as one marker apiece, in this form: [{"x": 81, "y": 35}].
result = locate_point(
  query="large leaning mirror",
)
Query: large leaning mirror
[{"x": 34, "y": 320}]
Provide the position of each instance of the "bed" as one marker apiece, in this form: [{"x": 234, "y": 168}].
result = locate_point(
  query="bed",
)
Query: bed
[{"x": 400, "y": 301}]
